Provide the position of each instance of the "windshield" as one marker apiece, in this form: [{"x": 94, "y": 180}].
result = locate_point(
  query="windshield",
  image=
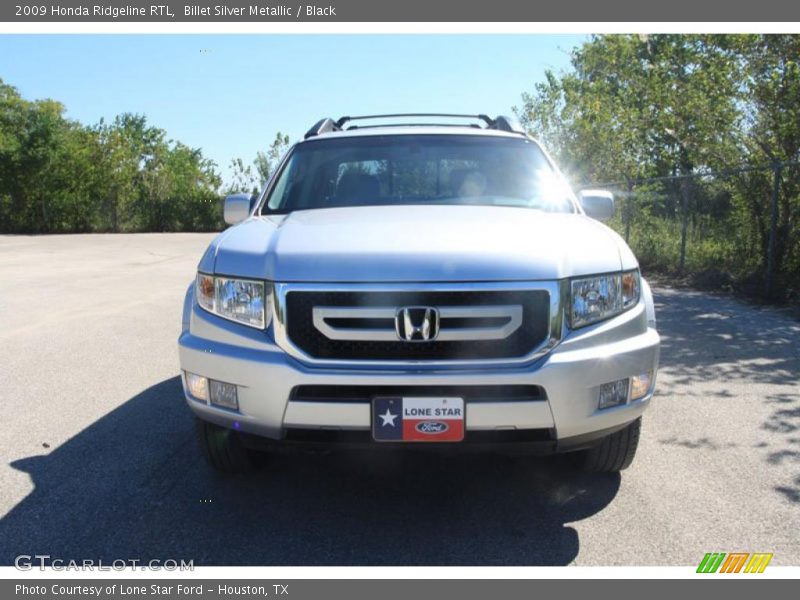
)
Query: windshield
[{"x": 418, "y": 169}]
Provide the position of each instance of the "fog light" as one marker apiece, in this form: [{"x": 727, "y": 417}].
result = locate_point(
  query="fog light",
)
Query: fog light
[
  {"x": 613, "y": 394},
  {"x": 640, "y": 385},
  {"x": 196, "y": 386},
  {"x": 224, "y": 394}
]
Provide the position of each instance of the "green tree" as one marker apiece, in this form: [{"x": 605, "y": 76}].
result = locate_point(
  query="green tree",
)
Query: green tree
[
  {"x": 31, "y": 134},
  {"x": 243, "y": 179},
  {"x": 637, "y": 107},
  {"x": 266, "y": 163},
  {"x": 57, "y": 175},
  {"x": 126, "y": 175},
  {"x": 771, "y": 89},
  {"x": 251, "y": 178}
]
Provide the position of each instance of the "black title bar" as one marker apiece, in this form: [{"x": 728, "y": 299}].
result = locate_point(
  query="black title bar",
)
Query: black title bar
[{"x": 398, "y": 11}]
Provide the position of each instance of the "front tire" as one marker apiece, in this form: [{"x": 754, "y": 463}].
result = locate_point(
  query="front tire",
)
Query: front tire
[
  {"x": 614, "y": 453},
  {"x": 223, "y": 448}
]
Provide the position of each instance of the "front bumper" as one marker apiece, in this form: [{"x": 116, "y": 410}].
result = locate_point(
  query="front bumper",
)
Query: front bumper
[{"x": 570, "y": 375}]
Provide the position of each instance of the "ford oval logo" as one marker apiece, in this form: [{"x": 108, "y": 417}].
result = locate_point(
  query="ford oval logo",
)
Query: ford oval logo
[{"x": 432, "y": 427}]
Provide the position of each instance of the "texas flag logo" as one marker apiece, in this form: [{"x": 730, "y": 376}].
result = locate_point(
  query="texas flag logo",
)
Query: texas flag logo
[{"x": 418, "y": 419}]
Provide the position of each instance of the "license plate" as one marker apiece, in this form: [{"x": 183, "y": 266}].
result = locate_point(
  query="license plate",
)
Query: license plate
[{"x": 418, "y": 419}]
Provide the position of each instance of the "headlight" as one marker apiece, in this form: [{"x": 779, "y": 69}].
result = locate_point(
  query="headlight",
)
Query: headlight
[
  {"x": 240, "y": 300},
  {"x": 599, "y": 297}
]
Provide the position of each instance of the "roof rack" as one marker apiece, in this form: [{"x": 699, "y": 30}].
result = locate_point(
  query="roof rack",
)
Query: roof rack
[
  {"x": 322, "y": 126},
  {"x": 500, "y": 123},
  {"x": 507, "y": 124},
  {"x": 343, "y": 120},
  {"x": 470, "y": 125}
]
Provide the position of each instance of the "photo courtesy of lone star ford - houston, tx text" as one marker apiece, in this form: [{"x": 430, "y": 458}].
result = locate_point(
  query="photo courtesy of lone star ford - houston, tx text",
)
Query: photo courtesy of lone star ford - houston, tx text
[{"x": 402, "y": 299}]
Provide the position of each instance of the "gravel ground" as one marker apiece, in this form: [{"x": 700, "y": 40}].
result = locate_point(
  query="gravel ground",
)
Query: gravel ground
[{"x": 97, "y": 455}]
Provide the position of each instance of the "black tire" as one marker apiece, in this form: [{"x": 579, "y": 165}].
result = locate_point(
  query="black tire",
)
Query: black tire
[
  {"x": 614, "y": 453},
  {"x": 222, "y": 448}
]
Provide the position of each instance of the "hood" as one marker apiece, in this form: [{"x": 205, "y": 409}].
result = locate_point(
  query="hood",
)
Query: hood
[{"x": 417, "y": 243}]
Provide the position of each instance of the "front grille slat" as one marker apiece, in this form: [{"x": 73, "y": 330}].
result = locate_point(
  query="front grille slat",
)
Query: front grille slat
[
  {"x": 358, "y": 394},
  {"x": 302, "y": 333}
]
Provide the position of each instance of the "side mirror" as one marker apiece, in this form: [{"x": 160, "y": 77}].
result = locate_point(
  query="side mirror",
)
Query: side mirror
[
  {"x": 598, "y": 204},
  {"x": 237, "y": 208}
]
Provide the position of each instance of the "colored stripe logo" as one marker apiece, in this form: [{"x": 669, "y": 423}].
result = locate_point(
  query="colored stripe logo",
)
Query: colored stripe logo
[{"x": 734, "y": 562}]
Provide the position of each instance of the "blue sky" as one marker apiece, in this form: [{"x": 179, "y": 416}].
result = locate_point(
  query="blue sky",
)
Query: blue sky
[{"x": 229, "y": 94}]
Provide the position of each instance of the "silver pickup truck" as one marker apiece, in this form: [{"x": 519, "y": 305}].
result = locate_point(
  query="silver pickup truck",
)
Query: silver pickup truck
[{"x": 419, "y": 285}]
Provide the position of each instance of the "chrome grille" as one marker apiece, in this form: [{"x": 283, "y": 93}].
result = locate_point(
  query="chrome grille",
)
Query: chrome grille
[{"x": 360, "y": 323}]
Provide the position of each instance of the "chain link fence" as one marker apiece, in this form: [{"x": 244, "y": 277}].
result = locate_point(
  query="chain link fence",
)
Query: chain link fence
[{"x": 736, "y": 228}]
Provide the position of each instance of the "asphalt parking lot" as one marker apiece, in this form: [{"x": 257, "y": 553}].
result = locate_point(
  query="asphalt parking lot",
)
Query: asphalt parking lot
[{"x": 97, "y": 454}]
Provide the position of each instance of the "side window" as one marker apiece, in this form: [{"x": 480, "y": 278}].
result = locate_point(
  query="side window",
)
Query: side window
[
  {"x": 459, "y": 177},
  {"x": 365, "y": 178},
  {"x": 362, "y": 167},
  {"x": 414, "y": 178},
  {"x": 433, "y": 178},
  {"x": 277, "y": 198}
]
